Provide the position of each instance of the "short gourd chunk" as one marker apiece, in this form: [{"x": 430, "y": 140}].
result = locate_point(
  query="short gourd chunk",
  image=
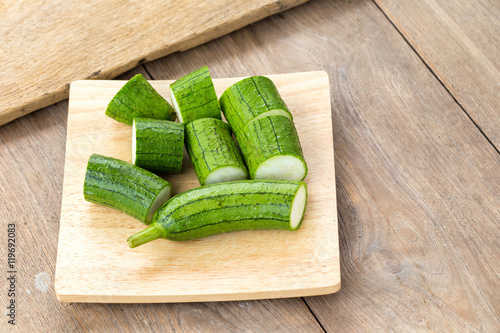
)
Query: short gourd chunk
[
  {"x": 194, "y": 97},
  {"x": 213, "y": 152},
  {"x": 272, "y": 149},
  {"x": 138, "y": 99},
  {"x": 157, "y": 145}
]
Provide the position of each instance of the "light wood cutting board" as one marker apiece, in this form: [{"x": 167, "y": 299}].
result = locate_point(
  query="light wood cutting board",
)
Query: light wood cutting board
[
  {"x": 46, "y": 44},
  {"x": 95, "y": 264}
]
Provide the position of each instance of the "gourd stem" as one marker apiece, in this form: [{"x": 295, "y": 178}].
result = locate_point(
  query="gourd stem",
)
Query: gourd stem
[{"x": 147, "y": 235}]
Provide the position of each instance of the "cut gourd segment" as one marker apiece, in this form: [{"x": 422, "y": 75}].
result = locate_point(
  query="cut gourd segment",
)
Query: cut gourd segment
[
  {"x": 123, "y": 186},
  {"x": 138, "y": 99},
  {"x": 157, "y": 145},
  {"x": 194, "y": 97},
  {"x": 250, "y": 99},
  {"x": 226, "y": 207},
  {"x": 213, "y": 152},
  {"x": 271, "y": 149}
]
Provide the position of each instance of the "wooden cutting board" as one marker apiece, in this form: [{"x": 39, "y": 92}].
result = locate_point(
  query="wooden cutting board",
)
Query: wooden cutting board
[
  {"x": 95, "y": 264},
  {"x": 46, "y": 44}
]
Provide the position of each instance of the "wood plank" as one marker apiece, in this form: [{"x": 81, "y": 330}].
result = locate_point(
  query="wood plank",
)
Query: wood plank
[
  {"x": 31, "y": 166},
  {"x": 48, "y": 44},
  {"x": 278, "y": 315},
  {"x": 459, "y": 41},
  {"x": 242, "y": 265},
  {"x": 31, "y": 174},
  {"x": 415, "y": 178}
]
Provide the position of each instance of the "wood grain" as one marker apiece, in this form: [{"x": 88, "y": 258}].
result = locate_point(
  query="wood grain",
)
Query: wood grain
[
  {"x": 416, "y": 180},
  {"x": 48, "y": 44},
  {"x": 244, "y": 265},
  {"x": 31, "y": 164},
  {"x": 459, "y": 41}
]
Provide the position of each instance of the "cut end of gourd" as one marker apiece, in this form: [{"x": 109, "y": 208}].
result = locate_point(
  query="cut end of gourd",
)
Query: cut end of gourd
[
  {"x": 145, "y": 236},
  {"x": 160, "y": 199},
  {"x": 226, "y": 174},
  {"x": 298, "y": 207},
  {"x": 133, "y": 142},
  {"x": 176, "y": 106},
  {"x": 282, "y": 168}
]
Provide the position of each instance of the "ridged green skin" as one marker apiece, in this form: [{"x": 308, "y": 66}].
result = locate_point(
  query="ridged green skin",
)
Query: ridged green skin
[
  {"x": 210, "y": 146},
  {"x": 249, "y": 98},
  {"x": 138, "y": 99},
  {"x": 159, "y": 145},
  {"x": 196, "y": 97},
  {"x": 225, "y": 207},
  {"x": 267, "y": 137},
  {"x": 121, "y": 185}
]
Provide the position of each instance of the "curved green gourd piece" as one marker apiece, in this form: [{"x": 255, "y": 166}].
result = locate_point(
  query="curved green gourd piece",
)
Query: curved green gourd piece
[
  {"x": 226, "y": 207},
  {"x": 138, "y": 99},
  {"x": 157, "y": 145},
  {"x": 123, "y": 186},
  {"x": 194, "y": 97},
  {"x": 213, "y": 152}
]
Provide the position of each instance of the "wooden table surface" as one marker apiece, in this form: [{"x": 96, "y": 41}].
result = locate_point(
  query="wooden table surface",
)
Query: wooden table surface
[{"x": 415, "y": 89}]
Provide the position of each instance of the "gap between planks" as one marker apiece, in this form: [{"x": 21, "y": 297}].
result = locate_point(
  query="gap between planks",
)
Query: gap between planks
[
  {"x": 149, "y": 73},
  {"x": 428, "y": 66},
  {"x": 313, "y": 314}
]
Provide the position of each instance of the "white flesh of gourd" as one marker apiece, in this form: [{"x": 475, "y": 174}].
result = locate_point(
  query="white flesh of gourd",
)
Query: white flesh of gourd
[
  {"x": 298, "y": 205},
  {"x": 225, "y": 174},
  {"x": 160, "y": 199},
  {"x": 133, "y": 143},
  {"x": 175, "y": 105},
  {"x": 281, "y": 168}
]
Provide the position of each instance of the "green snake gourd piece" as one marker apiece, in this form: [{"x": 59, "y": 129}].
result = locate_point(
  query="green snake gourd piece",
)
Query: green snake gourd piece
[
  {"x": 121, "y": 185},
  {"x": 250, "y": 99},
  {"x": 194, "y": 97},
  {"x": 138, "y": 99},
  {"x": 157, "y": 145},
  {"x": 272, "y": 149},
  {"x": 213, "y": 152},
  {"x": 226, "y": 207}
]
